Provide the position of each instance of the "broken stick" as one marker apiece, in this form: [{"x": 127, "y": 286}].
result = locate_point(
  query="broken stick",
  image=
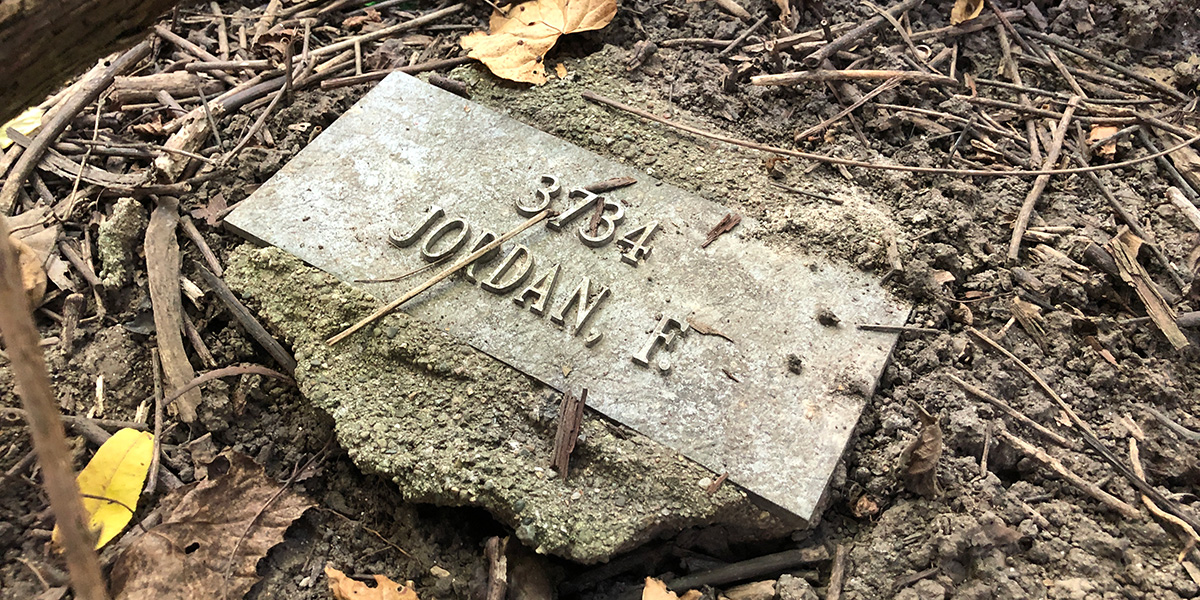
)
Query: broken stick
[
  {"x": 1039, "y": 185},
  {"x": 474, "y": 256},
  {"x": 570, "y": 418}
]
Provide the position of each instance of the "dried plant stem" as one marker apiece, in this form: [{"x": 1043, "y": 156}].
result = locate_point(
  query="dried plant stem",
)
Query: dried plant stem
[
  {"x": 45, "y": 427},
  {"x": 597, "y": 98},
  {"x": 1039, "y": 185}
]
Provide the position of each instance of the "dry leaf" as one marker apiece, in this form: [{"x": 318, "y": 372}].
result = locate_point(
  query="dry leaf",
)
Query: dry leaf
[
  {"x": 24, "y": 123},
  {"x": 1100, "y": 132},
  {"x": 211, "y": 213},
  {"x": 919, "y": 460},
  {"x": 33, "y": 276},
  {"x": 344, "y": 588},
  {"x": 357, "y": 21},
  {"x": 657, "y": 590},
  {"x": 942, "y": 277},
  {"x": 520, "y": 37},
  {"x": 965, "y": 10},
  {"x": 116, "y": 473},
  {"x": 212, "y": 536},
  {"x": 560, "y": 70},
  {"x": 865, "y": 507}
]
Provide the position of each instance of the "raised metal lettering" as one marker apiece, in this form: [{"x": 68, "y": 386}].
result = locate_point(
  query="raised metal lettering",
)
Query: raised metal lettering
[
  {"x": 665, "y": 333},
  {"x": 550, "y": 190},
  {"x": 539, "y": 292},
  {"x": 588, "y": 200},
  {"x": 404, "y": 241},
  {"x": 585, "y": 308},
  {"x": 496, "y": 283},
  {"x": 464, "y": 233},
  {"x": 485, "y": 238},
  {"x": 633, "y": 244}
]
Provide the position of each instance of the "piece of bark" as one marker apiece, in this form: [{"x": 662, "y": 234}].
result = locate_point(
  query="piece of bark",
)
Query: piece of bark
[
  {"x": 145, "y": 88},
  {"x": 497, "y": 568},
  {"x": 918, "y": 462},
  {"x": 1124, "y": 249},
  {"x": 1030, "y": 318},
  {"x": 570, "y": 417},
  {"x": 162, "y": 270},
  {"x": 47, "y": 42}
]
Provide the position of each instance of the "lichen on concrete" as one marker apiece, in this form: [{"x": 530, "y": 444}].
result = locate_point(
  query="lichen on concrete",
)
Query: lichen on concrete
[
  {"x": 452, "y": 426},
  {"x": 118, "y": 236}
]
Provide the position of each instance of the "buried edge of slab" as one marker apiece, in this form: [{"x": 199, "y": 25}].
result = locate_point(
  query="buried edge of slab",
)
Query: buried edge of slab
[
  {"x": 451, "y": 426},
  {"x": 771, "y": 398}
]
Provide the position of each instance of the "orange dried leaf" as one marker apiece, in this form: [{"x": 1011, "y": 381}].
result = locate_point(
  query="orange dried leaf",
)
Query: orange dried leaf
[
  {"x": 520, "y": 36},
  {"x": 965, "y": 10},
  {"x": 1100, "y": 132},
  {"x": 560, "y": 70},
  {"x": 345, "y": 588},
  {"x": 657, "y": 590}
]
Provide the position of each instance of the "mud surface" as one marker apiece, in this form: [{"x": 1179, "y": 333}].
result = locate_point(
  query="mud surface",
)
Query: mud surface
[{"x": 1013, "y": 530}]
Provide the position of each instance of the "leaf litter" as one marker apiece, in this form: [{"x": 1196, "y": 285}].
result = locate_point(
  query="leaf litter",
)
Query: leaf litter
[
  {"x": 212, "y": 536},
  {"x": 345, "y": 588},
  {"x": 519, "y": 37}
]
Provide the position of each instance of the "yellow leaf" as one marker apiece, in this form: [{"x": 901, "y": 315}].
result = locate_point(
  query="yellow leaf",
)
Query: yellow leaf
[
  {"x": 112, "y": 482},
  {"x": 25, "y": 123},
  {"x": 344, "y": 588},
  {"x": 560, "y": 70},
  {"x": 520, "y": 36},
  {"x": 33, "y": 275},
  {"x": 965, "y": 10},
  {"x": 657, "y": 590}
]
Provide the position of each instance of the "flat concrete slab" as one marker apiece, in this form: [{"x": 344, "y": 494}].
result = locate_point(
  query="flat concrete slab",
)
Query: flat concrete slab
[{"x": 716, "y": 352}]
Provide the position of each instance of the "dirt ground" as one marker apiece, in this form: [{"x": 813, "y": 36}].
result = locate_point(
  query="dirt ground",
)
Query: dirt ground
[{"x": 1010, "y": 530}]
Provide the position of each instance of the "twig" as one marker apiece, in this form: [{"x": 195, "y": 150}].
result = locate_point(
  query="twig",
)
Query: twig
[
  {"x": 570, "y": 418},
  {"x": 162, "y": 271},
  {"x": 822, "y": 75},
  {"x": 1147, "y": 81},
  {"x": 497, "y": 582},
  {"x": 594, "y": 97},
  {"x": 852, "y": 37},
  {"x": 73, "y": 420},
  {"x": 837, "y": 572},
  {"x": 879, "y": 89},
  {"x": 1012, "y": 412},
  {"x": 754, "y": 567},
  {"x": 1056, "y": 144},
  {"x": 733, "y": 8},
  {"x": 246, "y": 318},
  {"x": 1180, "y": 430},
  {"x": 212, "y": 122},
  {"x": 387, "y": 31},
  {"x": 1087, "y": 434},
  {"x": 193, "y": 234},
  {"x": 433, "y": 65},
  {"x": 62, "y": 118},
  {"x": 897, "y": 328},
  {"x": 195, "y": 50},
  {"x": 208, "y": 376},
  {"x": 1136, "y": 461},
  {"x": 45, "y": 427},
  {"x": 1084, "y": 485},
  {"x": 609, "y": 185},
  {"x": 152, "y": 480},
  {"x": 742, "y": 38},
  {"x": 474, "y": 256},
  {"x": 1133, "y": 223}
]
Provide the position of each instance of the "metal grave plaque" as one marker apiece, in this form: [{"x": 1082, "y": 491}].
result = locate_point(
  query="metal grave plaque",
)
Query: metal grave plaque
[{"x": 715, "y": 351}]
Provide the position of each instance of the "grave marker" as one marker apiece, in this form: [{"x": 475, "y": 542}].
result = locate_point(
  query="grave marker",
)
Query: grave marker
[{"x": 715, "y": 352}]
